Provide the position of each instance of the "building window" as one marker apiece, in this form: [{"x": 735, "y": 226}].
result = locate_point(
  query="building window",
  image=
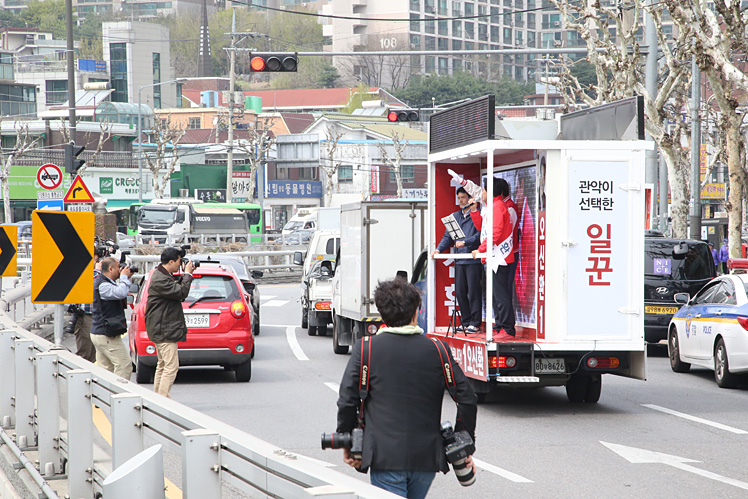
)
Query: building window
[
  {"x": 469, "y": 30},
  {"x": 406, "y": 173},
  {"x": 415, "y": 24},
  {"x": 443, "y": 44},
  {"x": 194, "y": 123},
  {"x": 57, "y": 91},
  {"x": 457, "y": 29},
  {"x": 415, "y": 41},
  {"x": 345, "y": 174},
  {"x": 430, "y": 25},
  {"x": 17, "y": 101},
  {"x": 118, "y": 70},
  {"x": 157, "y": 79},
  {"x": 281, "y": 173},
  {"x": 307, "y": 173}
]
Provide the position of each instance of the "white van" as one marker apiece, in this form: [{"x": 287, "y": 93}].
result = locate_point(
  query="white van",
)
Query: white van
[
  {"x": 304, "y": 219},
  {"x": 323, "y": 246}
]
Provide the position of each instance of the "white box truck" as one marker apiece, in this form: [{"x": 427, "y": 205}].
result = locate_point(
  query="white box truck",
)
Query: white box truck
[
  {"x": 579, "y": 284},
  {"x": 378, "y": 239}
]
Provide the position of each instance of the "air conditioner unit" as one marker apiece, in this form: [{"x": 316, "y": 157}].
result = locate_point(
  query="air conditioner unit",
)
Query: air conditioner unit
[
  {"x": 557, "y": 23},
  {"x": 183, "y": 193}
]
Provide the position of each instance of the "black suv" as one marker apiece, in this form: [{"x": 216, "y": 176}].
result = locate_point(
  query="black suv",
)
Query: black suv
[{"x": 671, "y": 266}]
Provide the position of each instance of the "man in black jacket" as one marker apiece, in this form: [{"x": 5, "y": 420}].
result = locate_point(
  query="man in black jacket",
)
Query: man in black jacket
[{"x": 402, "y": 440}]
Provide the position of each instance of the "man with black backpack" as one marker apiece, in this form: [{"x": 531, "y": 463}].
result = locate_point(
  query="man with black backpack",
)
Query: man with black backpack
[
  {"x": 108, "y": 322},
  {"x": 393, "y": 387}
]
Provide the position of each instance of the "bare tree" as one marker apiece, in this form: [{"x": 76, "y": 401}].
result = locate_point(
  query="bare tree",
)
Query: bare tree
[
  {"x": 24, "y": 143},
  {"x": 256, "y": 147},
  {"x": 618, "y": 68},
  {"x": 395, "y": 161},
  {"x": 389, "y": 71},
  {"x": 105, "y": 133},
  {"x": 64, "y": 131},
  {"x": 163, "y": 160},
  {"x": 330, "y": 165},
  {"x": 718, "y": 42}
]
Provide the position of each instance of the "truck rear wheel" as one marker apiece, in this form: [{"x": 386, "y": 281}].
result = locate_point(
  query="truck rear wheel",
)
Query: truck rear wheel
[
  {"x": 336, "y": 346},
  {"x": 304, "y": 318},
  {"x": 584, "y": 388},
  {"x": 312, "y": 331}
]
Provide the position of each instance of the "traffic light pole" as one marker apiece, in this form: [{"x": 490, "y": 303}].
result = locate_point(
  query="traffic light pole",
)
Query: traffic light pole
[
  {"x": 71, "y": 67},
  {"x": 232, "y": 81}
]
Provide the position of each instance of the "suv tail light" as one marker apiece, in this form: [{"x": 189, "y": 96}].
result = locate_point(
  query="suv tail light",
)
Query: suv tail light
[{"x": 238, "y": 309}]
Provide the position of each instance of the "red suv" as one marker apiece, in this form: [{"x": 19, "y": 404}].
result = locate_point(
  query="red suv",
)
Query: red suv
[{"x": 219, "y": 325}]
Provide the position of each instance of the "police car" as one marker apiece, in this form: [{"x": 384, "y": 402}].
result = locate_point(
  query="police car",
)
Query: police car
[{"x": 711, "y": 328}]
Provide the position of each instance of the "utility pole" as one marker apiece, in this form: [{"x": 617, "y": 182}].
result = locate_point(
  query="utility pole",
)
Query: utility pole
[
  {"x": 232, "y": 77},
  {"x": 695, "y": 212},
  {"x": 71, "y": 67},
  {"x": 651, "y": 84}
]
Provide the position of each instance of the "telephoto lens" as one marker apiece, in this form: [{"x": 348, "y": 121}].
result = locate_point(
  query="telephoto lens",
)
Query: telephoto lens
[
  {"x": 458, "y": 446},
  {"x": 336, "y": 441}
]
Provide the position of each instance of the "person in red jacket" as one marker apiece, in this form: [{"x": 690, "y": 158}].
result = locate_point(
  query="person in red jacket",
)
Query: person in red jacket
[
  {"x": 506, "y": 192},
  {"x": 503, "y": 255}
]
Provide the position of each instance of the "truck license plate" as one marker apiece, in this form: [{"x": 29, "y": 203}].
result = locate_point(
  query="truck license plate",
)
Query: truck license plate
[
  {"x": 197, "y": 320},
  {"x": 549, "y": 366}
]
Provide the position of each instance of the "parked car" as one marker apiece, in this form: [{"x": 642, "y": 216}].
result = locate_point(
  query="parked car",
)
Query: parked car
[
  {"x": 671, "y": 266},
  {"x": 711, "y": 330},
  {"x": 219, "y": 325},
  {"x": 298, "y": 237},
  {"x": 246, "y": 277}
]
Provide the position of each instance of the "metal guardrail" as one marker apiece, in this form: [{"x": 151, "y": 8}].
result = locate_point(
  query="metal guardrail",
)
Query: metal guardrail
[{"x": 47, "y": 401}]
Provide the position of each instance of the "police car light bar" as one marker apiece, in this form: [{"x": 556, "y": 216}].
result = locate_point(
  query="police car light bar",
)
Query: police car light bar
[{"x": 738, "y": 265}]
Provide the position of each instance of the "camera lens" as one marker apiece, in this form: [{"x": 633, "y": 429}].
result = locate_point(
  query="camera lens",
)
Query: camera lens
[
  {"x": 465, "y": 474},
  {"x": 336, "y": 441}
]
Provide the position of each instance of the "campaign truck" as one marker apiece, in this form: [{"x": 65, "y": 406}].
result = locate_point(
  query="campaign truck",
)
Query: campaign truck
[
  {"x": 578, "y": 183},
  {"x": 378, "y": 241}
]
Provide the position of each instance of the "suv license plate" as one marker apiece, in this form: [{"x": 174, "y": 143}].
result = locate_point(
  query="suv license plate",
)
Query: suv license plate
[
  {"x": 197, "y": 320},
  {"x": 550, "y": 366}
]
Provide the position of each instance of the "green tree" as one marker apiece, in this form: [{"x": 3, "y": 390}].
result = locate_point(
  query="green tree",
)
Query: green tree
[
  {"x": 328, "y": 76},
  {"x": 46, "y": 15},
  {"x": 444, "y": 89}
]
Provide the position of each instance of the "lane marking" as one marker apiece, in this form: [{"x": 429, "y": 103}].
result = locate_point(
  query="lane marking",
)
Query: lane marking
[
  {"x": 275, "y": 303},
  {"x": 501, "y": 472},
  {"x": 104, "y": 428},
  {"x": 333, "y": 386},
  {"x": 695, "y": 419},
  {"x": 294, "y": 343}
]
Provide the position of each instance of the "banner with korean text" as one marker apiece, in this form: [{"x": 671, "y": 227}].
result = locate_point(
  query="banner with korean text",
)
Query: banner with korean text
[{"x": 598, "y": 258}]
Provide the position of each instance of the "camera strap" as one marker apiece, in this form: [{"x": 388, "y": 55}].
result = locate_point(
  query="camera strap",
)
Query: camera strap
[
  {"x": 447, "y": 369},
  {"x": 363, "y": 383}
]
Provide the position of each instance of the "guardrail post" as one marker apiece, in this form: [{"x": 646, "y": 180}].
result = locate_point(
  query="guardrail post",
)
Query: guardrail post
[
  {"x": 201, "y": 464},
  {"x": 25, "y": 434},
  {"x": 48, "y": 413},
  {"x": 7, "y": 378},
  {"x": 141, "y": 476},
  {"x": 80, "y": 434},
  {"x": 127, "y": 427}
]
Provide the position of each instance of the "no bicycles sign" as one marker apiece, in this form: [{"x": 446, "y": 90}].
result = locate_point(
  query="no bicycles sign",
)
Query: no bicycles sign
[{"x": 49, "y": 176}]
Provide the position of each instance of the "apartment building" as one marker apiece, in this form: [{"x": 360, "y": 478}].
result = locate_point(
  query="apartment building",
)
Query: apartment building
[{"x": 140, "y": 9}]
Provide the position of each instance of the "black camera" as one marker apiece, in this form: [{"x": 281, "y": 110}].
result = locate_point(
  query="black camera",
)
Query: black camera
[
  {"x": 104, "y": 248},
  {"x": 458, "y": 446},
  {"x": 76, "y": 313},
  {"x": 133, "y": 268},
  {"x": 354, "y": 441}
]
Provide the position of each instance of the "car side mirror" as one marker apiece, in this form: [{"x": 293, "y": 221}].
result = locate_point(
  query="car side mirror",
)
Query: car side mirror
[
  {"x": 402, "y": 274},
  {"x": 298, "y": 258},
  {"x": 682, "y": 298},
  {"x": 134, "y": 288},
  {"x": 256, "y": 274},
  {"x": 249, "y": 286}
]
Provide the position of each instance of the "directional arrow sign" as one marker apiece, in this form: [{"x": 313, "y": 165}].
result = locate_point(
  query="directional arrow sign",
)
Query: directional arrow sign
[
  {"x": 643, "y": 456},
  {"x": 62, "y": 251},
  {"x": 8, "y": 251}
]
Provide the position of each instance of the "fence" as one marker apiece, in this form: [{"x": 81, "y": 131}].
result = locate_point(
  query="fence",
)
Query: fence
[{"x": 48, "y": 397}]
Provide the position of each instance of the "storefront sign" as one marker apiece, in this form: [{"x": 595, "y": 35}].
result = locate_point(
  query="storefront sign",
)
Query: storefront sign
[{"x": 294, "y": 189}]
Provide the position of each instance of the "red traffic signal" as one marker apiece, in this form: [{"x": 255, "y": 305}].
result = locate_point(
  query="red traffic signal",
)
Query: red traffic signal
[
  {"x": 273, "y": 63},
  {"x": 403, "y": 115}
]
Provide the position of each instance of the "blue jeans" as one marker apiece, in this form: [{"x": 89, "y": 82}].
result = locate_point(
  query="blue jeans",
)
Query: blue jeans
[{"x": 410, "y": 484}]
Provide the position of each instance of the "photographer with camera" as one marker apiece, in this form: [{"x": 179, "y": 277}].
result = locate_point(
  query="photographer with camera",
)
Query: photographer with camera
[
  {"x": 80, "y": 324},
  {"x": 403, "y": 442},
  {"x": 108, "y": 322},
  {"x": 164, "y": 317}
]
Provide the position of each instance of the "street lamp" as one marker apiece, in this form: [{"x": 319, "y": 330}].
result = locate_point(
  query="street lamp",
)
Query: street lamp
[{"x": 140, "y": 142}]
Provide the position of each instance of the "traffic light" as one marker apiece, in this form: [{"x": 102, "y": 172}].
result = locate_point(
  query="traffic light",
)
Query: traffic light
[
  {"x": 404, "y": 115},
  {"x": 72, "y": 163},
  {"x": 273, "y": 63}
]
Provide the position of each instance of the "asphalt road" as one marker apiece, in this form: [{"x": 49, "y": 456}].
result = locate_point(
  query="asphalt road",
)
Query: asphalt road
[{"x": 674, "y": 435}]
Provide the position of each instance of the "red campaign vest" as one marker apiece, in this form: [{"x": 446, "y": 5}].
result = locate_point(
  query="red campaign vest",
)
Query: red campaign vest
[{"x": 515, "y": 232}]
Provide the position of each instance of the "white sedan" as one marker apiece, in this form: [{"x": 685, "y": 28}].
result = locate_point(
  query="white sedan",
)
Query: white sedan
[{"x": 711, "y": 330}]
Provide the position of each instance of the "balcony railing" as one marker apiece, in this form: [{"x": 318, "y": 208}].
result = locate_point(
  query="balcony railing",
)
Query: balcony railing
[{"x": 105, "y": 159}]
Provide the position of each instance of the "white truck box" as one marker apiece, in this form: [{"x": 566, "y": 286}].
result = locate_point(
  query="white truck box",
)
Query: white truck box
[{"x": 378, "y": 239}]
